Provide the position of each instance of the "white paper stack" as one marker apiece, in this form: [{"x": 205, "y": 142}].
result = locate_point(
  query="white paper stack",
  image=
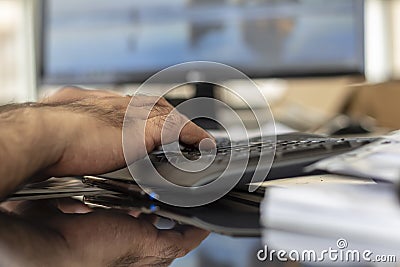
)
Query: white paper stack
[
  {"x": 378, "y": 160},
  {"x": 315, "y": 217}
]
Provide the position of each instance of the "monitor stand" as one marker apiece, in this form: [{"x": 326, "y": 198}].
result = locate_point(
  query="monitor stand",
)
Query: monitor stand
[
  {"x": 206, "y": 90},
  {"x": 202, "y": 90}
]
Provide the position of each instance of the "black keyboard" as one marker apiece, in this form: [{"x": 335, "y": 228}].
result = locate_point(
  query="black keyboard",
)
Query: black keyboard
[{"x": 293, "y": 152}]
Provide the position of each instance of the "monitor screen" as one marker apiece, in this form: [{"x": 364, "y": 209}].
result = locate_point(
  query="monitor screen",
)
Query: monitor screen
[{"x": 102, "y": 41}]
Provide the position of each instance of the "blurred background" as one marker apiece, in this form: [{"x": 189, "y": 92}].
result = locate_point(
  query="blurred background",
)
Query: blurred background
[
  {"x": 311, "y": 67},
  {"x": 322, "y": 65}
]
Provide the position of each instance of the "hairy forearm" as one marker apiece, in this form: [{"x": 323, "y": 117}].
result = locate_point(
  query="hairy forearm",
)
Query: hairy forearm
[{"x": 27, "y": 144}]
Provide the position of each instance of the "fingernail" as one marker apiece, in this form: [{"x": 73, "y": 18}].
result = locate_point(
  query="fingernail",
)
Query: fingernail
[{"x": 207, "y": 144}]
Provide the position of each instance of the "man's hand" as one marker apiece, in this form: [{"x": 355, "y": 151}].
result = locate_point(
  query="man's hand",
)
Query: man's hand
[
  {"x": 77, "y": 132},
  {"x": 96, "y": 146},
  {"x": 43, "y": 235}
]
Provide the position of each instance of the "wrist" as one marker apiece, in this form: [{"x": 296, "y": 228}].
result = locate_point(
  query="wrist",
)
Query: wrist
[
  {"x": 31, "y": 140},
  {"x": 48, "y": 135}
]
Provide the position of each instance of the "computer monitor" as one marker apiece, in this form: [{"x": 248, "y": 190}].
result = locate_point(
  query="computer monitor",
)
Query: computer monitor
[{"x": 125, "y": 41}]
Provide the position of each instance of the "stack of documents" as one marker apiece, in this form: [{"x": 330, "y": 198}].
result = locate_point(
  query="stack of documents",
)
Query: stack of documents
[
  {"x": 342, "y": 216},
  {"x": 378, "y": 160},
  {"x": 315, "y": 217}
]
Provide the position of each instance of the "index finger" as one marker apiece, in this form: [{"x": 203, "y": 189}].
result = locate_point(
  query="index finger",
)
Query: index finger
[
  {"x": 179, "y": 241},
  {"x": 192, "y": 134}
]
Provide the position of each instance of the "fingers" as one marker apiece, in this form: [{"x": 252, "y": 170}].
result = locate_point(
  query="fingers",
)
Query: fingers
[
  {"x": 152, "y": 106},
  {"x": 134, "y": 234},
  {"x": 179, "y": 241},
  {"x": 49, "y": 209},
  {"x": 163, "y": 123},
  {"x": 177, "y": 128},
  {"x": 169, "y": 125},
  {"x": 150, "y": 218},
  {"x": 134, "y": 240},
  {"x": 137, "y": 213},
  {"x": 9, "y": 206},
  {"x": 192, "y": 134},
  {"x": 166, "y": 124},
  {"x": 37, "y": 210},
  {"x": 70, "y": 205}
]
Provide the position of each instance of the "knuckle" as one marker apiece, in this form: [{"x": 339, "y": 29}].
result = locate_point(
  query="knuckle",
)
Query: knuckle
[
  {"x": 172, "y": 252},
  {"x": 162, "y": 101},
  {"x": 172, "y": 121}
]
